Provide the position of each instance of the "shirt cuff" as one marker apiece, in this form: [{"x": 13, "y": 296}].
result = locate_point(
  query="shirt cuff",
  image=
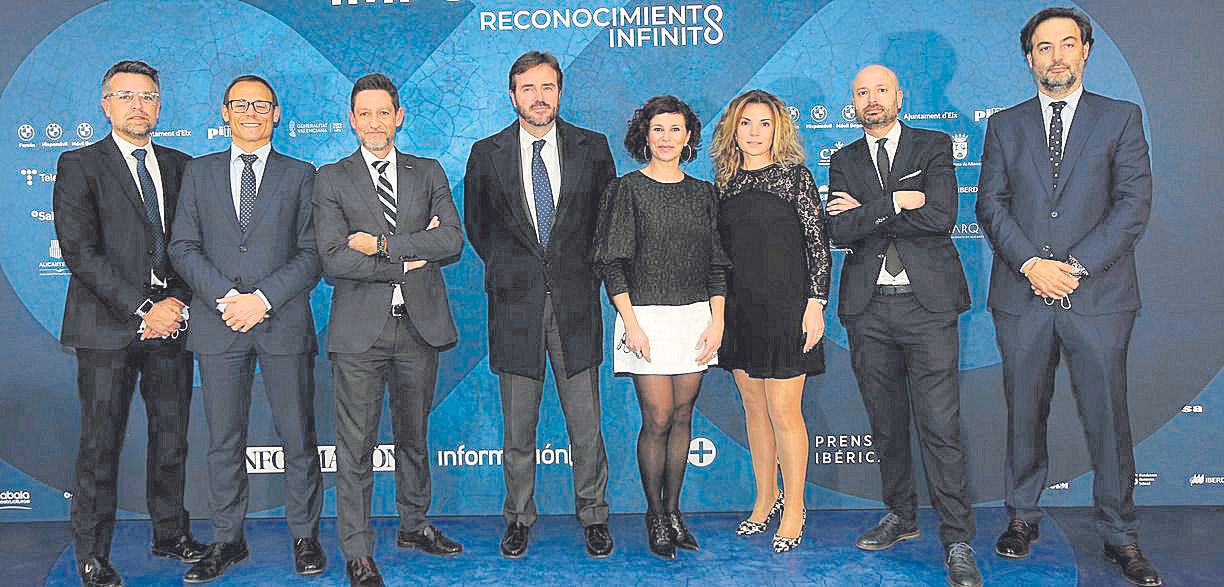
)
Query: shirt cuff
[
  {"x": 231, "y": 292},
  {"x": 1024, "y": 267},
  {"x": 267, "y": 304},
  {"x": 896, "y": 206}
]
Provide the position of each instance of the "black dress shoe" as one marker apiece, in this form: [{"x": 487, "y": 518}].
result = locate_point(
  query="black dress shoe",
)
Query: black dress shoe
[
  {"x": 598, "y": 540},
  {"x": 363, "y": 573},
  {"x": 1135, "y": 567},
  {"x": 681, "y": 536},
  {"x": 890, "y": 530},
  {"x": 220, "y": 556},
  {"x": 308, "y": 557},
  {"x": 658, "y": 535},
  {"x": 962, "y": 568},
  {"x": 514, "y": 542},
  {"x": 1014, "y": 542},
  {"x": 428, "y": 539},
  {"x": 183, "y": 548},
  {"x": 96, "y": 571}
]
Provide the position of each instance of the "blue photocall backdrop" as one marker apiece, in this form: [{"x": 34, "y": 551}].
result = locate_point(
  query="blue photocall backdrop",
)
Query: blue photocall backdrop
[{"x": 957, "y": 62}]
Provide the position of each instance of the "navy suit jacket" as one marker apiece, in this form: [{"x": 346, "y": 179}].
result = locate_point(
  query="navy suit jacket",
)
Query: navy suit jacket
[
  {"x": 1097, "y": 214},
  {"x": 345, "y": 202},
  {"x": 923, "y": 163},
  {"x": 275, "y": 255},
  {"x": 103, "y": 232}
]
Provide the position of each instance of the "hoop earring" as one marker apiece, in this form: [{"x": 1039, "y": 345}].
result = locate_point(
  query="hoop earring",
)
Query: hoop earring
[
  {"x": 691, "y": 153},
  {"x": 646, "y": 152}
]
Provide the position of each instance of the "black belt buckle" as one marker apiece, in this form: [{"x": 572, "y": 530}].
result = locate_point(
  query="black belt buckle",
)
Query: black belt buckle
[
  {"x": 156, "y": 293},
  {"x": 894, "y": 290},
  {"x": 399, "y": 311}
]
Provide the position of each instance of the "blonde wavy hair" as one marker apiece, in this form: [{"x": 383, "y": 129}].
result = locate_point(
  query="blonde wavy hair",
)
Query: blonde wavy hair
[{"x": 728, "y": 158}]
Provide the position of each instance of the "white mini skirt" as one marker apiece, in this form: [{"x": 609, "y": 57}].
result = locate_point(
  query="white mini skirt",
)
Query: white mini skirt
[{"x": 673, "y": 332}]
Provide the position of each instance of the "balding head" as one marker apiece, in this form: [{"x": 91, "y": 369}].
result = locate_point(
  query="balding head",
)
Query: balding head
[{"x": 877, "y": 99}]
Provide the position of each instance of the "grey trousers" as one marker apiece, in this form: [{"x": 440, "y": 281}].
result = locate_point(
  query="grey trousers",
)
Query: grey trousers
[
  {"x": 579, "y": 395},
  {"x": 289, "y": 384},
  {"x": 402, "y": 359}
]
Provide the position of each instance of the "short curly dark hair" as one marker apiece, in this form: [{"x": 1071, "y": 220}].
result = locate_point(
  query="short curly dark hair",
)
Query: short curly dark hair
[{"x": 639, "y": 127}]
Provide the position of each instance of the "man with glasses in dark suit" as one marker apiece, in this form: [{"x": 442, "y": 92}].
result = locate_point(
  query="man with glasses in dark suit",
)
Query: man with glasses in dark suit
[
  {"x": 125, "y": 314},
  {"x": 244, "y": 242}
]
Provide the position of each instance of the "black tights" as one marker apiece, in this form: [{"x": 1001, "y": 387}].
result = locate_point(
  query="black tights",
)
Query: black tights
[{"x": 663, "y": 442}]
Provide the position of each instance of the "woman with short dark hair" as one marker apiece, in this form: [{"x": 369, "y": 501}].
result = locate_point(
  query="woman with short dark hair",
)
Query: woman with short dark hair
[{"x": 657, "y": 250}]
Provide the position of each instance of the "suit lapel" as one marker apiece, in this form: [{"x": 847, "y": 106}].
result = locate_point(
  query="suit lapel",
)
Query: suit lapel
[
  {"x": 269, "y": 187},
  {"x": 571, "y": 148},
  {"x": 363, "y": 187},
  {"x": 905, "y": 154},
  {"x": 1033, "y": 126},
  {"x": 117, "y": 166},
  {"x": 218, "y": 178},
  {"x": 509, "y": 172},
  {"x": 1086, "y": 114},
  {"x": 169, "y": 177},
  {"x": 870, "y": 177},
  {"x": 407, "y": 185}
]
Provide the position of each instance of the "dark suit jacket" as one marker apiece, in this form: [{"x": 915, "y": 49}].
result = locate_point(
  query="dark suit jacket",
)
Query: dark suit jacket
[
  {"x": 922, "y": 235},
  {"x": 345, "y": 202},
  {"x": 1097, "y": 214},
  {"x": 103, "y": 233},
  {"x": 276, "y": 255},
  {"x": 518, "y": 271}
]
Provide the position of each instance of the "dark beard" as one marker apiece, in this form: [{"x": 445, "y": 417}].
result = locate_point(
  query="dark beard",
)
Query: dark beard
[{"x": 525, "y": 116}]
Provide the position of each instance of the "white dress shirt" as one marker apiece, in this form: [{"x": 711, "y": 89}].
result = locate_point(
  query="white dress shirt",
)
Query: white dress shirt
[
  {"x": 397, "y": 294},
  {"x": 552, "y": 163},
  {"x": 155, "y": 171},
  {"x": 1047, "y": 114},
  {"x": 894, "y": 138},
  {"x": 236, "y": 167}
]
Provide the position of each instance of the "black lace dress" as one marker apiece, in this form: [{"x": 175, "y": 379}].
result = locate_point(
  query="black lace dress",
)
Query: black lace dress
[{"x": 774, "y": 231}]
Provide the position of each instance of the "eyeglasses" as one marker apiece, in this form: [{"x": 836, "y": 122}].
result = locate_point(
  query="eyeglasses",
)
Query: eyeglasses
[
  {"x": 128, "y": 96},
  {"x": 239, "y": 105}
]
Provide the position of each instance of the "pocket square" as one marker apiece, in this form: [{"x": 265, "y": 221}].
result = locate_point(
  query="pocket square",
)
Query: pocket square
[{"x": 910, "y": 176}]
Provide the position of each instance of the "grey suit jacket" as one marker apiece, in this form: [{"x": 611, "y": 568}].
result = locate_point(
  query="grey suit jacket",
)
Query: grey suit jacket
[
  {"x": 275, "y": 255},
  {"x": 345, "y": 202}
]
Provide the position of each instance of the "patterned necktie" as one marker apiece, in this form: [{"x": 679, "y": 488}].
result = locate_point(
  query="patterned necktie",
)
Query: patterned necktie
[
  {"x": 148, "y": 192},
  {"x": 892, "y": 259},
  {"x": 246, "y": 191},
  {"x": 1056, "y": 139},
  {"x": 386, "y": 194},
  {"x": 543, "y": 193}
]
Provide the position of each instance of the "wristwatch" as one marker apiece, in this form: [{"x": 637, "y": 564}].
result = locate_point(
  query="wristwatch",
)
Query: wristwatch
[{"x": 144, "y": 308}]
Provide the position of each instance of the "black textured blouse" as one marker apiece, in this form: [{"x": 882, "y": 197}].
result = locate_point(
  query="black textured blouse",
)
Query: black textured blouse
[
  {"x": 795, "y": 185},
  {"x": 659, "y": 241}
]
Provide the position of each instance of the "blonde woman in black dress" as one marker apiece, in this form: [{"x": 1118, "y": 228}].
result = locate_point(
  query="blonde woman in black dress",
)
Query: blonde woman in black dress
[
  {"x": 658, "y": 252},
  {"x": 773, "y": 231}
]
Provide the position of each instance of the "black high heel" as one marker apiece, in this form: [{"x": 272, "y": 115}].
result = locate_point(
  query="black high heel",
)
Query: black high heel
[
  {"x": 681, "y": 537},
  {"x": 659, "y": 535}
]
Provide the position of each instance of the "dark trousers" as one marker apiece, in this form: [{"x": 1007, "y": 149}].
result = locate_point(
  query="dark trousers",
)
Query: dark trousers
[
  {"x": 906, "y": 358},
  {"x": 106, "y": 381},
  {"x": 579, "y": 395},
  {"x": 1095, "y": 347},
  {"x": 289, "y": 385},
  {"x": 401, "y": 358}
]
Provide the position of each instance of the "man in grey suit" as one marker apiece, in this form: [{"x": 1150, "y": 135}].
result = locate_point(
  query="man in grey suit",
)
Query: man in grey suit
[
  {"x": 531, "y": 195},
  {"x": 1065, "y": 193},
  {"x": 386, "y": 223},
  {"x": 243, "y": 240}
]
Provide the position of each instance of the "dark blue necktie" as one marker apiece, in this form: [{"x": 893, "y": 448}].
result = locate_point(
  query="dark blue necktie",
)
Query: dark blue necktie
[
  {"x": 246, "y": 191},
  {"x": 1056, "y": 139},
  {"x": 543, "y": 193},
  {"x": 148, "y": 191}
]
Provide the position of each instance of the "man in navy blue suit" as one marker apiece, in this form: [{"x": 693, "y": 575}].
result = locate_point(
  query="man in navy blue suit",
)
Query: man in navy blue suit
[
  {"x": 244, "y": 242},
  {"x": 1065, "y": 193}
]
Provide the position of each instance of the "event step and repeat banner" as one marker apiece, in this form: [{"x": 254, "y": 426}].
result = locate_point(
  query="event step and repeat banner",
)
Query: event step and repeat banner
[{"x": 958, "y": 63}]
